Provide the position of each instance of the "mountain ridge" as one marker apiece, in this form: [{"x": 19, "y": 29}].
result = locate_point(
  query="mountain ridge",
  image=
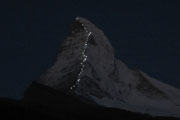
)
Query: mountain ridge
[{"x": 105, "y": 80}]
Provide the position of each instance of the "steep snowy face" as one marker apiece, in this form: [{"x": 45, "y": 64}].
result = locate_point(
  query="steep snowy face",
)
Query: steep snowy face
[
  {"x": 86, "y": 67},
  {"x": 85, "y": 51}
]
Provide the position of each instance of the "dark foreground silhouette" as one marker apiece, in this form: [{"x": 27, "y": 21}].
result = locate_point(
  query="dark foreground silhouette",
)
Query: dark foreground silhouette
[{"x": 41, "y": 102}]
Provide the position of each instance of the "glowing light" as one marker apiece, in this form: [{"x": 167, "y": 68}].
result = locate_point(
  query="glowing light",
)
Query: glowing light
[{"x": 84, "y": 58}]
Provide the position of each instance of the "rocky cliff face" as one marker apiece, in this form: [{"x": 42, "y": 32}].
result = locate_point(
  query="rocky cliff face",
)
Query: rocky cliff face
[{"x": 87, "y": 68}]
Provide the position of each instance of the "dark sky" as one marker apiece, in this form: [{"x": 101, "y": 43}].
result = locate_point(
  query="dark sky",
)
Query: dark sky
[{"x": 144, "y": 33}]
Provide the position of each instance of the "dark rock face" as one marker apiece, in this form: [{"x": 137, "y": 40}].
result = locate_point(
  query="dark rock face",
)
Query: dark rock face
[
  {"x": 86, "y": 68},
  {"x": 145, "y": 86},
  {"x": 76, "y": 27},
  {"x": 114, "y": 74},
  {"x": 92, "y": 41}
]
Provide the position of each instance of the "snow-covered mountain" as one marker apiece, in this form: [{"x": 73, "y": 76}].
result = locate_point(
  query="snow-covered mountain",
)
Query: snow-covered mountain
[{"x": 86, "y": 67}]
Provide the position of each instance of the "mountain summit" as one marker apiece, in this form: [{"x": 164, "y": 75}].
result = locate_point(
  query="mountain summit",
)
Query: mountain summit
[{"x": 87, "y": 68}]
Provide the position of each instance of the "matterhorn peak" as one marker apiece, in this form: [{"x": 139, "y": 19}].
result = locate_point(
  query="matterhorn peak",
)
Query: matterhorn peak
[
  {"x": 85, "y": 48},
  {"x": 86, "y": 67}
]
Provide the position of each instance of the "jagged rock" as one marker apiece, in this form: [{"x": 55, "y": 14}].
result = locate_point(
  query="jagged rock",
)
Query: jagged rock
[{"x": 87, "y": 68}]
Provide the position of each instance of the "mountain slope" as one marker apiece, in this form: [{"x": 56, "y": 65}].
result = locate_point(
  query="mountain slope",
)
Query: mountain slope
[
  {"x": 44, "y": 101},
  {"x": 86, "y": 68}
]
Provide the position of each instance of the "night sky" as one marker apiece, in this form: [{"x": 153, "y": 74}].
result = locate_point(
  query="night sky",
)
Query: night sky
[{"x": 144, "y": 33}]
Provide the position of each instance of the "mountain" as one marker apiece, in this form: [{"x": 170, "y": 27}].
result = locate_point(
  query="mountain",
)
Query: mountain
[{"x": 87, "y": 70}]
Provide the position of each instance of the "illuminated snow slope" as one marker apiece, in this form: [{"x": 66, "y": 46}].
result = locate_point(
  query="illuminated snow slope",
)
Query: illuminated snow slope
[{"x": 86, "y": 66}]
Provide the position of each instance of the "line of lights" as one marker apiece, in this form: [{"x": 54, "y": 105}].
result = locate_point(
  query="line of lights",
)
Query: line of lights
[{"x": 84, "y": 59}]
